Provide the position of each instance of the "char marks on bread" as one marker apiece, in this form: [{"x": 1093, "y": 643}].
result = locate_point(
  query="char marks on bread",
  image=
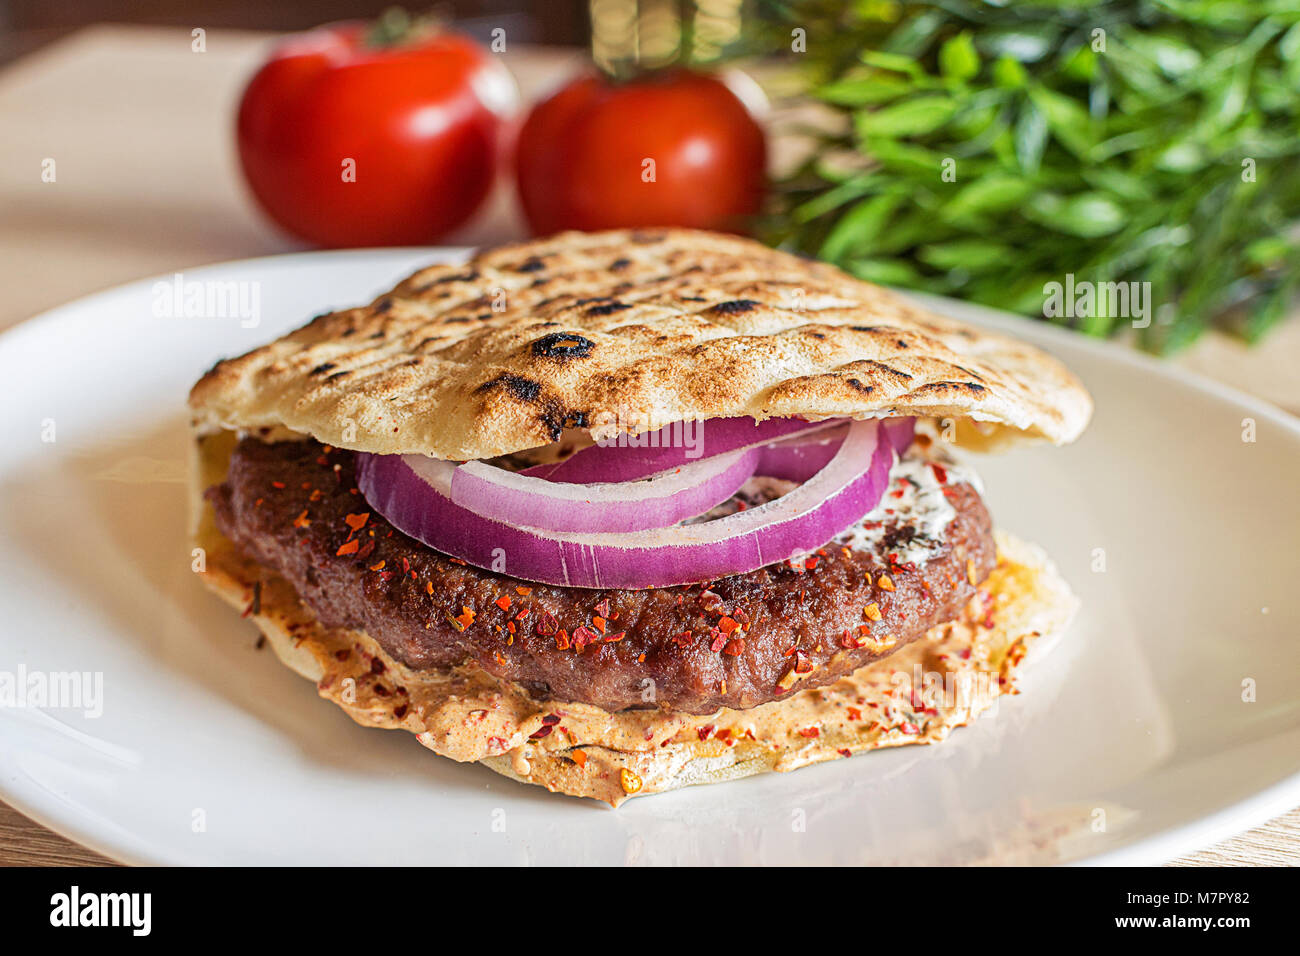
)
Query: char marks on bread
[{"x": 627, "y": 331}]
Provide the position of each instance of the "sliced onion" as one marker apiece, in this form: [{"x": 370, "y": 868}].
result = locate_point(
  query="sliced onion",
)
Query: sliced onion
[
  {"x": 516, "y": 498},
  {"x": 840, "y": 494},
  {"x": 618, "y": 461},
  {"x": 801, "y": 457},
  {"x": 900, "y": 432}
]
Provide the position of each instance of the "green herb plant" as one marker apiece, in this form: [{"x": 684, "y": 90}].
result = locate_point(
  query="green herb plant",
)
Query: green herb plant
[{"x": 987, "y": 149}]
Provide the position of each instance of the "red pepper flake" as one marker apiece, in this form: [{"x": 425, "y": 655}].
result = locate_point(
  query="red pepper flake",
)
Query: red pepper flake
[
  {"x": 939, "y": 472},
  {"x": 734, "y": 647},
  {"x": 277, "y": 484},
  {"x": 896, "y": 494},
  {"x": 499, "y": 658},
  {"x": 377, "y": 567},
  {"x": 551, "y": 719},
  {"x": 562, "y": 640},
  {"x": 428, "y": 586},
  {"x": 302, "y": 521},
  {"x": 885, "y": 583},
  {"x": 802, "y": 665},
  {"x": 810, "y": 563},
  {"x": 541, "y": 732},
  {"x": 599, "y": 623},
  {"x": 579, "y": 757},
  {"x": 810, "y": 732},
  {"x": 510, "y": 626},
  {"x": 602, "y": 609},
  {"x": 684, "y": 639},
  {"x": 704, "y": 731},
  {"x": 357, "y": 522},
  {"x": 503, "y": 602},
  {"x": 845, "y": 752},
  {"x": 740, "y": 615},
  {"x": 349, "y": 547},
  {"x": 522, "y": 614},
  {"x": 872, "y": 612},
  {"x": 719, "y": 640},
  {"x": 546, "y": 624},
  {"x": 524, "y": 592},
  {"x": 612, "y": 638},
  {"x": 583, "y": 635},
  {"x": 854, "y": 713},
  {"x": 908, "y": 727},
  {"x": 727, "y": 625}
]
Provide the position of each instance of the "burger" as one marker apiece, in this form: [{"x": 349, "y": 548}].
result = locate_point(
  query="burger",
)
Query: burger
[{"x": 618, "y": 512}]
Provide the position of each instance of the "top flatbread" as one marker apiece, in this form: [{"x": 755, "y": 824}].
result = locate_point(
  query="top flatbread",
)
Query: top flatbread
[{"x": 625, "y": 331}]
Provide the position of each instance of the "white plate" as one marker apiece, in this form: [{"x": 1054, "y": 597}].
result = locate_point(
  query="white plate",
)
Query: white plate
[{"x": 1132, "y": 743}]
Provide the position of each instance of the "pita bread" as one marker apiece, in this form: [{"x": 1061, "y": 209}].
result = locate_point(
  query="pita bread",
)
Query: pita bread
[
  {"x": 627, "y": 331},
  {"x": 467, "y": 715}
]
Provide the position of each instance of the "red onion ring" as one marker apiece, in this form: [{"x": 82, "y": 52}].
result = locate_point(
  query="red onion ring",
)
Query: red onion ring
[
  {"x": 521, "y": 499},
  {"x": 618, "y": 461},
  {"x": 840, "y": 494}
]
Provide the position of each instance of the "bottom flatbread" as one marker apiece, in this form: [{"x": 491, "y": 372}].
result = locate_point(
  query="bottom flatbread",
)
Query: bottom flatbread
[{"x": 915, "y": 696}]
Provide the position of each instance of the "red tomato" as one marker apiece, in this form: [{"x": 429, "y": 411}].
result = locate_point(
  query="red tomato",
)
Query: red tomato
[
  {"x": 345, "y": 144},
  {"x": 676, "y": 148}
]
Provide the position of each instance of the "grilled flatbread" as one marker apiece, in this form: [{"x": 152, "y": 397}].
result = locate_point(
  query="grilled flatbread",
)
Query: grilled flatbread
[{"x": 627, "y": 331}]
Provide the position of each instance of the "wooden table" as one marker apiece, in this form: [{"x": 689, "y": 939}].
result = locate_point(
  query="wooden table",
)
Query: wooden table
[{"x": 147, "y": 183}]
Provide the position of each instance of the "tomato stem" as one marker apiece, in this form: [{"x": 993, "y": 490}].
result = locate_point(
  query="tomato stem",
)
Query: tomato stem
[{"x": 395, "y": 26}]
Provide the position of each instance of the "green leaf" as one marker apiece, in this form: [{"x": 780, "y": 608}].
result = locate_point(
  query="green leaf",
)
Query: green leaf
[
  {"x": 914, "y": 117},
  {"x": 906, "y": 159},
  {"x": 1025, "y": 44},
  {"x": 859, "y": 226},
  {"x": 885, "y": 272},
  {"x": 971, "y": 255},
  {"x": 895, "y": 62},
  {"x": 958, "y": 59},
  {"x": 1031, "y": 138},
  {"x": 1066, "y": 118},
  {"x": 1270, "y": 250},
  {"x": 1088, "y": 214},
  {"x": 1181, "y": 157},
  {"x": 1008, "y": 73},
  {"x": 991, "y": 194},
  {"x": 865, "y": 90}
]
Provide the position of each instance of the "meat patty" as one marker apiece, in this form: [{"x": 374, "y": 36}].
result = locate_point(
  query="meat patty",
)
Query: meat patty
[{"x": 736, "y": 642}]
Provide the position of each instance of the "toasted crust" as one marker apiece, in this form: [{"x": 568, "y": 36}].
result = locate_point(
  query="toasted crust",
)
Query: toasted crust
[
  {"x": 625, "y": 331},
  {"x": 467, "y": 715}
]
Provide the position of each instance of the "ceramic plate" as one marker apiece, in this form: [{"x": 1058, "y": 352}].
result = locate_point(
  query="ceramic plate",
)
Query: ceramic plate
[{"x": 1168, "y": 717}]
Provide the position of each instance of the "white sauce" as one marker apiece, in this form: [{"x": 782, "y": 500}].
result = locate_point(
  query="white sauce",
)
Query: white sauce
[{"x": 922, "y": 506}]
